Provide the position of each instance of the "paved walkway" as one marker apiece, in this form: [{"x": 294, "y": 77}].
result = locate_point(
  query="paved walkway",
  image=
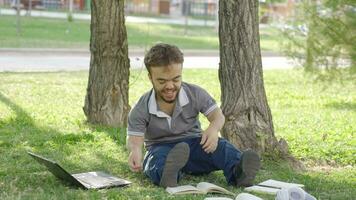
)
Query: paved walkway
[{"x": 29, "y": 60}]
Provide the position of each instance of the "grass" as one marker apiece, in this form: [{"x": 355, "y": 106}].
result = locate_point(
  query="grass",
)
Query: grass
[
  {"x": 42, "y": 112},
  {"x": 57, "y": 33}
]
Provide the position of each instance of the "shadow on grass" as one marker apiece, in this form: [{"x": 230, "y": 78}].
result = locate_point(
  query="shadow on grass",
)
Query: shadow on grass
[
  {"x": 20, "y": 134},
  {"x": 116, "y": 134},
  {"x": 342, "y": 106}
]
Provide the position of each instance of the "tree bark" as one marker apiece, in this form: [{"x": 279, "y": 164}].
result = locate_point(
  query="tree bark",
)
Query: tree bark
[
  {"x": 106, "y": 101},
  {"x": 244, "y": 103}
]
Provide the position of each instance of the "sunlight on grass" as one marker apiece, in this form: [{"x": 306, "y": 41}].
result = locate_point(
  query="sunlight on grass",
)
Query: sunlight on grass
[
  {"x": 42, "y": 112},
  {"x": 57, "y": 33}
]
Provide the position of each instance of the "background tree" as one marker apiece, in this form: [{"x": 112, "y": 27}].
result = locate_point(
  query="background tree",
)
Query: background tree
[
  {"x": 321, "y": 36},
  {"x": 244, "y": 103},
  {"x": 106, "y": 101}
]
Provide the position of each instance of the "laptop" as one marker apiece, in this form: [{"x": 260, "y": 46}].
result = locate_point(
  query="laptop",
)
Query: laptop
[{"x": 87, "y": 180}]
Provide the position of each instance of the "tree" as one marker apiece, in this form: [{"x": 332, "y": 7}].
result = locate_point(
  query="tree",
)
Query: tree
[
  {"x": 321, "y": 34},
  {"x": 106, "y": 101},
  {"x": 244, "y": 103}
]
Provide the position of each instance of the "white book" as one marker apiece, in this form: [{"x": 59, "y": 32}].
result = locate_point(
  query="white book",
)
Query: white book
[
  {"x": 241, "y": 196},
  {"x": 201, "y": 188},
  {"x": 279, "y": 184},
  {"x": 260, "y": 189},
  {"x": 271, "y": 186}
]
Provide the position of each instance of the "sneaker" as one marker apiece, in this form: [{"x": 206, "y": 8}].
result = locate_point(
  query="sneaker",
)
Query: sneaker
[
  {"x": 247, "y": 168},
  {"x": 175, "y": 161}
]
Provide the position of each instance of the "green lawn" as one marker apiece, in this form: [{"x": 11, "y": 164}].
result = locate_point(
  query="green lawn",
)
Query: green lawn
[
  {"x": 42, "y": 112},
  {"x": 56, "y": 33}
]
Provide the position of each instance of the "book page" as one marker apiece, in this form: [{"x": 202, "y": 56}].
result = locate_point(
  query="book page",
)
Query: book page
[
  {"x": 241, "y": 196},
  {"x": 247, "y": 196},
  {"x": 184, "y": 189},
  {"x": 209, "y": 187},
  {"x": 279, "y": 184},
  {"x": 261, "y": 189},
  {"x": 217, "y": 198}
]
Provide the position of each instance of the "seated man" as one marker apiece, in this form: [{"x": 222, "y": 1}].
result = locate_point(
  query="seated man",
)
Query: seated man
[{"x": 166, "y": 120}]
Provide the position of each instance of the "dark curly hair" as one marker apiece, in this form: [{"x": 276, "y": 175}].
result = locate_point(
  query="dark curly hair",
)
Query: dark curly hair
[{"x": 161, "y": 55}]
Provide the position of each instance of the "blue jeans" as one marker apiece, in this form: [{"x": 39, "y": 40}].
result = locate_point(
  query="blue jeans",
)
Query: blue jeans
[{"x": 225, "y": 157}]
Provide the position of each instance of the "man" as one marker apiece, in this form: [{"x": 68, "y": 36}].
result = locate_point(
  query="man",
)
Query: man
[{"x": 166, "y": 120}]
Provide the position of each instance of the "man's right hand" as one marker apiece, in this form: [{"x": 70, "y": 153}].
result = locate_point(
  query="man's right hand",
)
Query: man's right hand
[
  {"x": 135, "y": 160},
  {"x": 134, "y": 145}
]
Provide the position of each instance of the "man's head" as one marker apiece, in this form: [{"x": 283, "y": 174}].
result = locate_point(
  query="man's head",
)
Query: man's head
[{"x": 164, "y": 66}]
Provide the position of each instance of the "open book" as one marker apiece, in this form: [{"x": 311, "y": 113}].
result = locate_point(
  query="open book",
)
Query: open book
[
  {"x": 271, "y": 186},
  {"x": 241, "y": 196},
  {"x": 201, "y": 188}
]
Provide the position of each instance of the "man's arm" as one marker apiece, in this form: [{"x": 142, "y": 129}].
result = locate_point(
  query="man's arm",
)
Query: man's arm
[
  {"x": 134, "y": 145},
  {"x": 210, "y": 136}
]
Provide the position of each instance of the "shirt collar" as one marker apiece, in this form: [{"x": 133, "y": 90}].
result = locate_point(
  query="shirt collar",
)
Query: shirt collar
[{"x": 152, "y": 103}]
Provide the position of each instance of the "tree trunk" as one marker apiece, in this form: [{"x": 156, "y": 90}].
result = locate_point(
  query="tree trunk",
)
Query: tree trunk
[
  {"x": 106, "y": 101},
  {"x": 248, "y": 117}
]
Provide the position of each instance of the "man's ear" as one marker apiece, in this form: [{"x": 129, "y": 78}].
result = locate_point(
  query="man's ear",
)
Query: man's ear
[{"x": 149, "y": 76}]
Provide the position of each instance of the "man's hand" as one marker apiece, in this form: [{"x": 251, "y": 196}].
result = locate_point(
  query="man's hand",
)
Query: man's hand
[
  {"x": 134, "y": 145},
  {"x": 135, "y": 160},
  {"x": 209, "y": 140},
  {"x": 210, "y": 136}
]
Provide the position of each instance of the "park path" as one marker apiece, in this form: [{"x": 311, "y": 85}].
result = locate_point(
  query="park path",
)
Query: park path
[{"x": 30, "y": 60}]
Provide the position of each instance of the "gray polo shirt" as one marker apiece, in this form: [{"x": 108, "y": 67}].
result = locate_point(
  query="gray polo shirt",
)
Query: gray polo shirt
[{"x": 145, "y": 118}]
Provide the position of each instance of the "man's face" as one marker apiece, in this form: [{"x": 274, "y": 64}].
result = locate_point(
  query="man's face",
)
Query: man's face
[{"x": 166, "y": 81}]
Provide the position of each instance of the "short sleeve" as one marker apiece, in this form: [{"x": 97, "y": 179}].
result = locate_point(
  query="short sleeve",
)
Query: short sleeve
[
  {"x": 205, "y": 101},
  {"x": 137, "y": 121}
]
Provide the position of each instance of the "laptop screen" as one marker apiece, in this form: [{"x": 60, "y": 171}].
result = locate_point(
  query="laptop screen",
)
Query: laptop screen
[{"x": 56, "y": 170}]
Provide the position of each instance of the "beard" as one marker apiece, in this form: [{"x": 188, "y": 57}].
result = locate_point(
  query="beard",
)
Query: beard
[{"x": 168, "y": 95}]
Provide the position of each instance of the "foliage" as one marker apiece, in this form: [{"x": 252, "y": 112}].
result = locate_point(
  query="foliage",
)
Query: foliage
[
  {"x": 42, "y": 112},
  {"x": 321, "y": 36}
]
